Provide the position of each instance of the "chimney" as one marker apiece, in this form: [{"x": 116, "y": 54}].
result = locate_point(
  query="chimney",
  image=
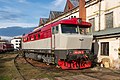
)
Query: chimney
[{"x": 82, "y": 10}]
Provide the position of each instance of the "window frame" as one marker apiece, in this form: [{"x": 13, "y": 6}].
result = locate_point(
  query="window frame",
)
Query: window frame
[
  {"x": 105, "y": 48},
  {"x": 93, "y": 24},
  {"x": 76, "y": 28},
  {"x": 106, "y": 26},
  {"x": 55, "y": 29},
  {"x": 38, "y": 35}
]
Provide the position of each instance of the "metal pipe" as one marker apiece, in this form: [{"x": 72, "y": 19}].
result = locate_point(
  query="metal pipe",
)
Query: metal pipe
[{"x": 99, "y": 14}]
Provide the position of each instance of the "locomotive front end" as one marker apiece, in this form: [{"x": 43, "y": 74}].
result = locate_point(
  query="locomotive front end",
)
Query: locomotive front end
[{"x": 73, "y": 46}]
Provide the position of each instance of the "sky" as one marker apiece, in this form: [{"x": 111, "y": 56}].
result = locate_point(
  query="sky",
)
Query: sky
[{"x": 26, "y": 13}]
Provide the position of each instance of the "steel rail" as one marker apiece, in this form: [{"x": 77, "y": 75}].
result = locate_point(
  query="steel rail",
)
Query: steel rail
[{"x": 17, "y": 67}]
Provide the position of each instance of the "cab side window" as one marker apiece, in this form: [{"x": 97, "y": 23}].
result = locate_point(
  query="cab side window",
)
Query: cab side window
[{"x": 55, "y": 30}]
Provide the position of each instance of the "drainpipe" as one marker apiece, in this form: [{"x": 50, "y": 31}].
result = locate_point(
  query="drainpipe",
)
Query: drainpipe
[
  {"x": 82, "y": 10},
  {"x": 99, "y": 14}
]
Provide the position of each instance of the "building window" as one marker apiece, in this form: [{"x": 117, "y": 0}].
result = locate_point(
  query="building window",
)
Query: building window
[
  {"x": 92, "y": 21},
  {"x": 71, "y": 16},
  {"x": 105, "y": 48},
  {"x": 74, "y": 16},
  {"x": 16, "y": 40},
  {"x": 109, "y": 20}
]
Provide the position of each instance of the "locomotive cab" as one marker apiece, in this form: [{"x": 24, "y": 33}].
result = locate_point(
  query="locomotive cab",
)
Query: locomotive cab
[{"x": 70, "y": 36}]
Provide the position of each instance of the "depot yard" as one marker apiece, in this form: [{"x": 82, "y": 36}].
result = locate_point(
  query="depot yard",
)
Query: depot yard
[{"x": 41, "y": 71}]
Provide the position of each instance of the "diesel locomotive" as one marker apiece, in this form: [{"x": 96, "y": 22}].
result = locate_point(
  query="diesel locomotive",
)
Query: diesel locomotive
[
  {"x": 65, "y": 43},
  {"x": 5, "y": 47}
]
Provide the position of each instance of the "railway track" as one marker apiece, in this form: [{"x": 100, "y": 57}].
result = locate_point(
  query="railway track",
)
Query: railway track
[
  {"x": 17, "y": 67},
  {"x": 51, "y": 68},
  {"x": 28, "y": 61},
  {"x": 44, "y": 67}
]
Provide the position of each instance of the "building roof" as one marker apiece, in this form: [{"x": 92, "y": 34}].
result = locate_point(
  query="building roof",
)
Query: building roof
[
  {"x": 75, "y": 3},
  {"x": 54, "y": 14},
  {"x": 107, "y": 32},
  {"x": 70, "y": 4},
  {"x": 43, "y": 21}
]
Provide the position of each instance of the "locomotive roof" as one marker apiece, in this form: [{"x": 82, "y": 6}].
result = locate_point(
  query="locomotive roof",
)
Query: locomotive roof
[{"x": 74, "y": 21}]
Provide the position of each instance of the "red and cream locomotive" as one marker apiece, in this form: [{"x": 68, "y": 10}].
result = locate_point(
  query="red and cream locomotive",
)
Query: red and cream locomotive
[
  {"x": 66, "y": 43},
  {"x": 5, "y": 47}
]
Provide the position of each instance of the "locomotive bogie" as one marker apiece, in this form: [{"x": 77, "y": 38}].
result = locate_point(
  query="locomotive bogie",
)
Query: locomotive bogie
[{"x": 47, "y": 58}]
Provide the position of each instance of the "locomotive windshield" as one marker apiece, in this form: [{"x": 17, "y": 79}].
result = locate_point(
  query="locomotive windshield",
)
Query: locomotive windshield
[{"x": 69, "y": 28}]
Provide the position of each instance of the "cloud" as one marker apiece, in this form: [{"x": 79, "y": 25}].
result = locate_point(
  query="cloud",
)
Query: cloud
[
  {"x": 22, "y": 1},
  {"x": 10, "y": 9},
  {"x": 7, "y": 16},
  {"x": 10, "y": 16},
  {"x": 5, "y": 1},
  {"x": 58, "y": 4},
  {"x": 9, "y": 24},
  {"x": 26, "y": 12},
  {"x": 6, "y": 37},
  {"x": 9, "y": 13},
  {"x": 13, "y": 1},
  {"x": 55, "y": 5}
]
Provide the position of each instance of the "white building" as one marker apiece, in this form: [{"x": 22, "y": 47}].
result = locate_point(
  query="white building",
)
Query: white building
[
  {"x": 105, "y": 18},
  {"x": 16, "y": 42}
]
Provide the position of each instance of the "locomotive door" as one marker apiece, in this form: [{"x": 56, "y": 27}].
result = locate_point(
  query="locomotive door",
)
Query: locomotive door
[
  {"x": 53, "y": 39},
  {"x": 54, "y": 35}
]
